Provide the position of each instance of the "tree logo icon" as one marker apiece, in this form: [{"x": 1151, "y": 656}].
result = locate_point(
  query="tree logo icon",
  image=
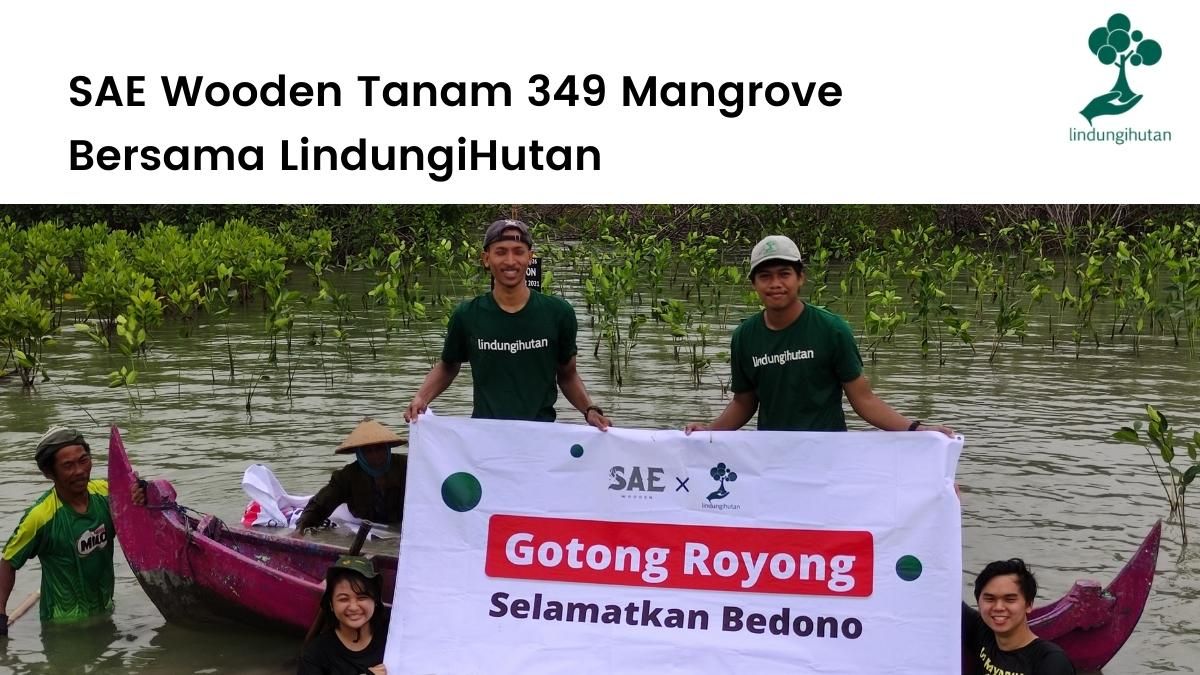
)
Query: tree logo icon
[
  {"x": 721, "y": 474},
  {"x": 1117, "y": 44}
]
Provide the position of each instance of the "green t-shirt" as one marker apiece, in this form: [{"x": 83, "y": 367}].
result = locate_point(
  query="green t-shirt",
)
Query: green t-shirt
[
  {"x": 514, "y": 357},
  {"x": 797, "y": 372},
  {"x": 76, "y": 552}
]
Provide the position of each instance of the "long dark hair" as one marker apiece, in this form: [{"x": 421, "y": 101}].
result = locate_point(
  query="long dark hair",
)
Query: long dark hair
[{"x": 326, "y": 621}]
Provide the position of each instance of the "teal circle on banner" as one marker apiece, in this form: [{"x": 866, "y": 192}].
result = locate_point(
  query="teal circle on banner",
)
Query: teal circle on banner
[
  {"x": 908, "y": 568},
  {"x": 461, "y": 491}
]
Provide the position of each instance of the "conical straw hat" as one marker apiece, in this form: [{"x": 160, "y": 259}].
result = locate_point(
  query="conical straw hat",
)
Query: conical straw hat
[{"x": 369, "y": 432}]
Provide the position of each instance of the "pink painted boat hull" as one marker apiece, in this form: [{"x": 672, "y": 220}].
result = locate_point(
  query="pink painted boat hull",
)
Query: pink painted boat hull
[
  {"x": 1091, "y": 624},
  {"x": 199, "y": 571}
]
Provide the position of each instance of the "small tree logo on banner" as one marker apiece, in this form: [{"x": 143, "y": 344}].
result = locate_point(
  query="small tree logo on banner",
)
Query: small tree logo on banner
[
  {"x": 1117, "y": 44},
  {"x": 722, "y": 474}
]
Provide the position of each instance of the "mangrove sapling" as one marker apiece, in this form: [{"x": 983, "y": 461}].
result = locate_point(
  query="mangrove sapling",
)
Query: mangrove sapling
[
  {"x": 49, "y": 282},
  {"x": 26, "y": 328},
  {"x": 883, "y": 317},
  {"x": 1163, "y": 437},
  {"x": 606, "y": 289},
  {"x": 1092, "y": 287},
  {"x": 316, "y": 251},
  {"x": 1182, "y": 304},
  {"x": 131, "y": 340},
  {"x": 957, "y": 327},
  {"x": 675, "y": 315},
  {"x": 185, "y": 300},
  {"x": 108, "y": 282},
  {"x": 817, "y": 275},
  {"x": 983, "y": 278},
  {"x": 700, "y": 360},
  {"x": 147, "y": 311},
  {"x": 280, "y": 317},
  {"x": 926, "y": 306},
  {"x": 1009, "y": 321},
  {"x": 217, "y": 302},
  {"x": 1034, "y": 281},
  {"x": 636, "y": 321}
]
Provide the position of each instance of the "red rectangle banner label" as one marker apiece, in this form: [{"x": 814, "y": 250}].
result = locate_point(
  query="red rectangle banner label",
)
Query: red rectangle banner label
[{"x": 703, "y": 557}]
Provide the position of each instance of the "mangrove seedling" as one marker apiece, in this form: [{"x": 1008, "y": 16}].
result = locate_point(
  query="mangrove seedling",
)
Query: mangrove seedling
[{"x": 1163, "y": 437}]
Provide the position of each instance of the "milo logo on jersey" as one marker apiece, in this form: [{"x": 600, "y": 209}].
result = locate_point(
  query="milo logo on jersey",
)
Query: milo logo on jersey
[
  {"x": 786, "y": 356},
  {"x": 92, "y": 540}
]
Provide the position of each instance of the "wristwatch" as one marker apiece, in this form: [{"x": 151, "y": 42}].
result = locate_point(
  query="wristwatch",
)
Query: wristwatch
[
  {"x": 590, "y": 408},
  {"x": 914, "y": 425}
]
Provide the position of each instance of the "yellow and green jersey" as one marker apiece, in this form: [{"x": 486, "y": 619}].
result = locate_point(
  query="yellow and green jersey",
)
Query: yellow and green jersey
[{"x": 76, "y": 552}]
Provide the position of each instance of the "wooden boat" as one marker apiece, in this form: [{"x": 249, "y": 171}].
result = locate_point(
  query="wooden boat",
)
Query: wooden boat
[
  {"x": 197, "y": 570},
  {"x": 1091, "y": 624}
]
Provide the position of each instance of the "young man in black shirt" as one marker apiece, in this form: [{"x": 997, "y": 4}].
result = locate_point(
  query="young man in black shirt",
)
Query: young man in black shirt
[{"x": 997, "y": 639}]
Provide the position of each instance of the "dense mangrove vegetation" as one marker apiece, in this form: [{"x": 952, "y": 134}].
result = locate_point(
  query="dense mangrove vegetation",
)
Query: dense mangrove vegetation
[{"x": 900, "y": 278}]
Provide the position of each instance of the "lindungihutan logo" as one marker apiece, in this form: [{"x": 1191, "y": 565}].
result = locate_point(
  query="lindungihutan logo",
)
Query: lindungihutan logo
[
  {"x": 722, "y": 474},
  {"x": 1118, "y": 45}
]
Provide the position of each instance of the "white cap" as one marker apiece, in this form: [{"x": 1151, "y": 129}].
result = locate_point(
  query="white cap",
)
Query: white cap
[{"x": 774, "y": 247}]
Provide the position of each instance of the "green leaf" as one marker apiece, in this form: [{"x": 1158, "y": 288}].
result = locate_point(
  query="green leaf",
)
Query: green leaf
[
  {"x": 1189, "y": 475},
  {"x": 1168, "y": 453},
  {"x": 1127, "y": 435},
  {"x": 22, "y": 359},
  {"x": 131, "y": 377}
]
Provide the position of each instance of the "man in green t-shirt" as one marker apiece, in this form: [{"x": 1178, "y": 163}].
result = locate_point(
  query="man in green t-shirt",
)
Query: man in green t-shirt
[
  {"x": 70, "y": 530},
  {"x": 520, "y": 344},
  {"x": 792, "y": 361}
]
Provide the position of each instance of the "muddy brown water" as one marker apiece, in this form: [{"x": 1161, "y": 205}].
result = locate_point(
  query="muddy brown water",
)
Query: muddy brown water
[{"x": 1040, "y": 478}]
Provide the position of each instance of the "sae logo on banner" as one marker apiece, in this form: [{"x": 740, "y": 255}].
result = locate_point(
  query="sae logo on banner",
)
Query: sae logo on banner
[{"x": 1128, "y": 50}]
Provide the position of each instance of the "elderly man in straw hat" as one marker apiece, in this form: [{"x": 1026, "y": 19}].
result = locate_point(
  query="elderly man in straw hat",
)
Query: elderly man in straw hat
[{"x": 372, "y": 486}]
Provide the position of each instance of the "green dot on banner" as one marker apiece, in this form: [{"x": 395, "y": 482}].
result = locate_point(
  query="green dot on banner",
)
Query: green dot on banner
[
  {"x": 908, "y": 568},
  {"x": 461, "y": 491},
  {"x": 577, "y": 451}
]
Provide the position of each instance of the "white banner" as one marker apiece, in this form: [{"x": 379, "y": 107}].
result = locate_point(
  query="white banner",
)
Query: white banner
[{"x": 553, "y": 548}]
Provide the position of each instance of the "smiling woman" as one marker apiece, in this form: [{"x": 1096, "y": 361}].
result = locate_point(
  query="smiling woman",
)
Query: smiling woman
[{"x": 351, "y": 632}]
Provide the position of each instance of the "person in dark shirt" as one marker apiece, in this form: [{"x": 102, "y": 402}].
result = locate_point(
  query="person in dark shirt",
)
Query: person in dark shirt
[
  {"x": 794, "y": 362},
  {"x": 520, "y": 344},
  {"x": 350, "y": 634},
  {"x": 997, "y": 639},
  {"x": 372, "y": 486}
]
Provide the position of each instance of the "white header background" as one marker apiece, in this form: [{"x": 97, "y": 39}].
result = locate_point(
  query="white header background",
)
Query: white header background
[{"x": 942, "y": 101}]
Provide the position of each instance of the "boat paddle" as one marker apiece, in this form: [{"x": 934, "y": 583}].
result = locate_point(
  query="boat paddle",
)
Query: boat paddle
[
  {"x": 25, "y": 605},
  {"x": 360, "y": 538}
]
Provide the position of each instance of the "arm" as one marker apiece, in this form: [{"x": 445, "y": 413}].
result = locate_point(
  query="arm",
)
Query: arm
[
  {"x": 572, "y": 388},
  {"x": 8, "y": 579},
  {"x": 879, "y": 414},
  {"x": 438, "y": 379},
  {"x": 734, "y": 416},
  {"x": 323, "y": 503}
]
